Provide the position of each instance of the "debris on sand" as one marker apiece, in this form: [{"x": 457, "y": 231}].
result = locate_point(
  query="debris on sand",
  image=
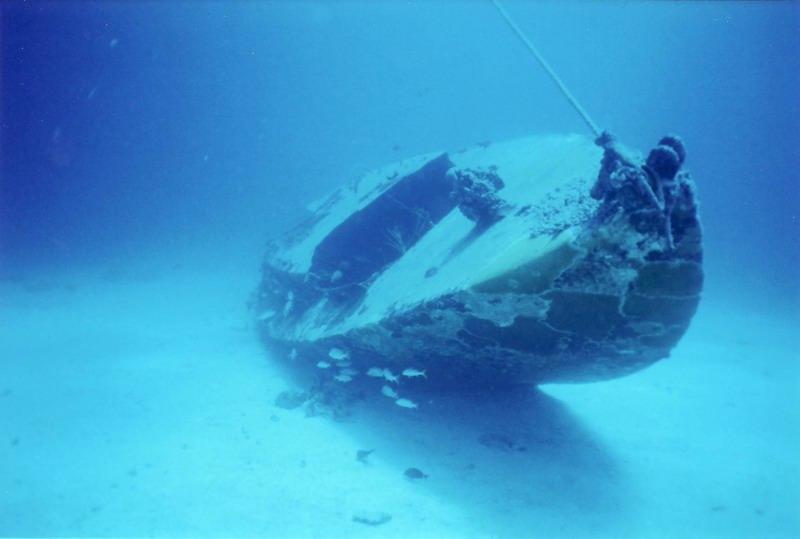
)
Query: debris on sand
[
  {"x": 499, "y": 442},
  {"x": 372, "y": 518},
  {"x": 363, "y": 454},
  {"x": 289, "y": 400}
]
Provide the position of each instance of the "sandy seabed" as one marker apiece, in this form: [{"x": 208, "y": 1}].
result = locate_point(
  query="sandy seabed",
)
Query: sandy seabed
[{"x": 143, "y": 405}]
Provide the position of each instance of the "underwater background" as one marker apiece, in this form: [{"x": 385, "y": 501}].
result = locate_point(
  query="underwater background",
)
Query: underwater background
[{"x": 150, "y": 150}]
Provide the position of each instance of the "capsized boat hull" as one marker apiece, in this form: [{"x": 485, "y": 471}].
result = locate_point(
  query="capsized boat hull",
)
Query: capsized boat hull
[{"x": 524, "y": 262}]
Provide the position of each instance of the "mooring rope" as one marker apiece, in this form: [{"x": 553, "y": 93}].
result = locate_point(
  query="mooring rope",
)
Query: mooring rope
[{"x": 527, "y": 42}]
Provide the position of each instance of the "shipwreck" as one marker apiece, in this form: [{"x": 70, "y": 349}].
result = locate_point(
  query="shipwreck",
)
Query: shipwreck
[
  {"x": 543, "y": 259},
  {"x": 554, "y": 258}
]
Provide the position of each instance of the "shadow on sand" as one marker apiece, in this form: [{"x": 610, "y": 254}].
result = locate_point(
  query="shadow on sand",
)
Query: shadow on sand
[{"x": 518, "y": 462}]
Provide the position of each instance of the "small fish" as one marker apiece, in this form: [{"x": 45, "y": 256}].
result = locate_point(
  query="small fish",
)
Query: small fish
[
  {"x": 389, "y": 392},
  {"x": 349, "y": 372},
  {"x": 266, "y": 315},
  {"x": 415, "y": 473},
  {"x": 336, "y": 275},
  {"x": 343, "y": 378},
  {"x": 372, "y": 518},
  {"x": 414, "y": 373},
  {"x": 405, "y": 403},
  {"x": 323, "y": 364},
  {"x": 293, "y": 354},
  {"x": 389, "y": 377},
  {"x": 375, "y": 372},
  {"x": 287, "y": 307},
  {"x": 338, "y": 354},
  {"x": 344, "y": 363},
  {"x": 363, "y": 454}
]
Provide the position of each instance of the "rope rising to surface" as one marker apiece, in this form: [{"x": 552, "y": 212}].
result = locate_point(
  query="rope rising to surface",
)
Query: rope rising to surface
[{"x": 549, "y": 70}]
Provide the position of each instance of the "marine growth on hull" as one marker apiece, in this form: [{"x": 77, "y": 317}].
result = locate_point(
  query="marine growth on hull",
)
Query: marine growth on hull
[{"x": 542, "y": 259}]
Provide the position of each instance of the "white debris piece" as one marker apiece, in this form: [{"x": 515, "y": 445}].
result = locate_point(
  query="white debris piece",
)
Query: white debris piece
[
  {"x": 323, "y": 364},
  {"x": 405, "y": 403},
  {"x": 387, "y": 391},
  {"x": 414, "y": 373},
  {"x": 338, "y": 354},
  {"x": 375, "y": 372}
]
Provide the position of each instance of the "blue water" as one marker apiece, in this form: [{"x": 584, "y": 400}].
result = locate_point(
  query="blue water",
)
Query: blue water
[{"x": 148, "y": 152}]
